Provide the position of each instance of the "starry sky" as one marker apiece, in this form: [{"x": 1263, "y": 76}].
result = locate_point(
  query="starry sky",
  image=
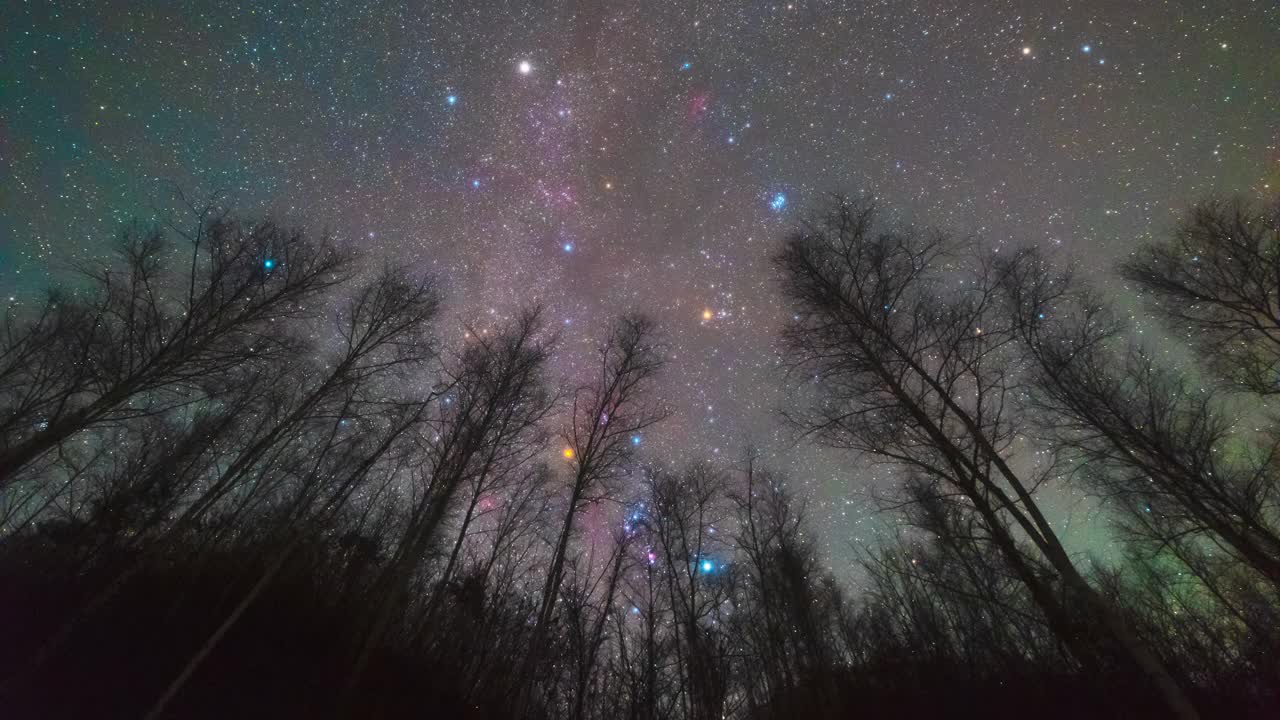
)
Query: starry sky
[{"x": 597, "y": 156}]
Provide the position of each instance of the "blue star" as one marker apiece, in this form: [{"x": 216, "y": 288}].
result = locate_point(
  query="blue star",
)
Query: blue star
[
  {"x": 567, "y": 247},
  {"x": 635, "y": 439},
  {"x": 451, "y": 99},
  {"x": 707, "y": 566},
  {"x": 778, "y": 202},
  {"x": 268, "y": 264},
  {"x": 1086, "y": 49},
  {"x": 686, "y": 66},
  {"x": 475, "y": 184}
]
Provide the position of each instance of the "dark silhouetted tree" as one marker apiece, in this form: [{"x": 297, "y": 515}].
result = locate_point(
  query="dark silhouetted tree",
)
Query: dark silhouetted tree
[
  {"x": 1152, "y": 440},
  {"x": 606, "y": 417},
  {"x": 908, "y": 367},
  {"x": 145, "y": 336},
  {"x": 1217, "y": 279}
]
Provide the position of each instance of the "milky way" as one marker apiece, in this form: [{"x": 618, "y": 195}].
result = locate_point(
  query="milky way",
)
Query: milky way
[{"x": 600, "y": 156}]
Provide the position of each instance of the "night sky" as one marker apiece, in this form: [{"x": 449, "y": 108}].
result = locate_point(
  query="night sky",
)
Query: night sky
[{"x": 597, "y": 156}]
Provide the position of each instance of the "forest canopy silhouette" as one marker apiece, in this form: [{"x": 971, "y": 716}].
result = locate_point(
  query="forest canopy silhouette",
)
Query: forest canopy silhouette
[{"x": 241, "y": 475}]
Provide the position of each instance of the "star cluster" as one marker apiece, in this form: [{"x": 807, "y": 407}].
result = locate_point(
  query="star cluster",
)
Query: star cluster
[{"x": 601, "y": 156}]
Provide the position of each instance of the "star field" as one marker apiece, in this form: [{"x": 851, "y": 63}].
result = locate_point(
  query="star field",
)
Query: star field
[{"x": 602, "y": 156}]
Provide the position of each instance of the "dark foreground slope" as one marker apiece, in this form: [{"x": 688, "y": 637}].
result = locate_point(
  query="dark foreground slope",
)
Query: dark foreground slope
[{"x": 290, "y": 654}]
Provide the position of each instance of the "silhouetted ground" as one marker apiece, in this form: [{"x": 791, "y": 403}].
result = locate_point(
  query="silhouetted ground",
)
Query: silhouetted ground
[
  {"x": 289, "y": 656},
  {"x": 1032, "y": 697}
]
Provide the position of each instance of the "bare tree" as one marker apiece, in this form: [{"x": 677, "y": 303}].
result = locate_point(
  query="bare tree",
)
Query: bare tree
[
  {"x": 963, "y": 606},
  {"x": 146, "y": 337},
  {"x": 516, "y": 440},
  {"x": 588, "y": 600},
  {"x": 203, "y": 487},
  {"x": 780, "y": 610},
  {"x": 495, "y": 396},
  {"x": 644, "y": 653},
  {"x": 1162, "y": 448},
  {"x": 502, "y": 564},
  {"x": 1218, "y": 281},
  {"x": 684, "y": 511},
  {"x": 604, "y": 424},
  {"x": 904, "y": 367}
]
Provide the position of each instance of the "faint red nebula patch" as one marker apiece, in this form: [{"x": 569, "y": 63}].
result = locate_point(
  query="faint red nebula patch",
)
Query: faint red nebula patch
[{"x": 697, "y": 107}]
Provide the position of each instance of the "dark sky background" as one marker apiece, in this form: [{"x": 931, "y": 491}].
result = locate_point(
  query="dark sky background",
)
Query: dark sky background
[{"x": 597, "y": 156}]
